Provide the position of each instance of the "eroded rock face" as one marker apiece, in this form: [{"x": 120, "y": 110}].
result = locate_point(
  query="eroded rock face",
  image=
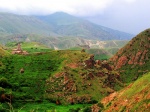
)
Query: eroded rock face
[
  {"x": 79, "y": 99},
  {"x": 121, "y": 61},
  {"x": 137, "y": 59},
  {"x": 90, "y": 62},
  {"x": 107, "y": 66},
  {"x": 98, "y": 62},
  {"x": 95, "y": 108},
  {"x": 74, "y": 83},
  {"x": 136, "y": 52}
]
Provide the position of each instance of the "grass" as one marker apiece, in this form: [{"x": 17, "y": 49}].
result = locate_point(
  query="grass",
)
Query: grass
[
  {"x": 37, "y": 68},
  {"x": 50, "y": 107},
  {"x": 29, "y": 88},
  {"x": 30, "y": 47},
  {"x": 99, "y": 54},
  {"x": 133, "y": 98}
]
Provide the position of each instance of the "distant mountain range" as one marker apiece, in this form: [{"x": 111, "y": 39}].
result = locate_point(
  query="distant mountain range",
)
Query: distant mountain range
[
  {"x": 55, "y": 25},
  {"x": 68, "y": 25}
]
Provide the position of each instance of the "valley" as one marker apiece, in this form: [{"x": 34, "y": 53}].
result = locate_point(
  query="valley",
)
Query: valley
[{"x": 61, "y": 63}]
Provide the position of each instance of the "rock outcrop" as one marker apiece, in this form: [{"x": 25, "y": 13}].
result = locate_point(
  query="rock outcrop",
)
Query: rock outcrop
[{"x": 134, "y": 56}]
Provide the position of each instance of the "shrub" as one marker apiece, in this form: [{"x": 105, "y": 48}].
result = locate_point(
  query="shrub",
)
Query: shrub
[
  {"x": 100, "y": 105},
  {"x": 87, "y": 109},
  {"x": 4, "y": 82},
  {"x": 74, "y": 110},
  {"x": 2, "y": 90}
]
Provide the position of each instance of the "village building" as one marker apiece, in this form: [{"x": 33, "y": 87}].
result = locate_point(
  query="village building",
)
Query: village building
[{"x": 19, "y": 50}]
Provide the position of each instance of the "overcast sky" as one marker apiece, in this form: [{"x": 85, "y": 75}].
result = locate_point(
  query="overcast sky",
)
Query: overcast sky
[{"x": 130, "y": 16}]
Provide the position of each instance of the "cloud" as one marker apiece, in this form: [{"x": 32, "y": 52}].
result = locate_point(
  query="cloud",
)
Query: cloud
[
  {"x": 130, "y": 1},
  {"x": 126, "y": 15},
  {"x": 80, "y": 7}
]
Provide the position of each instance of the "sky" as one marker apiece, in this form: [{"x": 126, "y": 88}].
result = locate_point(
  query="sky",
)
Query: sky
[{"x": 130, "y": 16}]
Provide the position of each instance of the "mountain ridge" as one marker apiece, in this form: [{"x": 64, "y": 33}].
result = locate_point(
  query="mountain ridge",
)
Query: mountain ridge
[
  {"x": 55, "y": 25},
  {"x": 133, "y": 58},
  {"x": 83, "y": 27}
]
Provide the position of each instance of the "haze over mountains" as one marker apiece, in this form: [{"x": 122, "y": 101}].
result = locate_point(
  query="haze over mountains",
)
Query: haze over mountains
[{"x": 55, "y": 25}]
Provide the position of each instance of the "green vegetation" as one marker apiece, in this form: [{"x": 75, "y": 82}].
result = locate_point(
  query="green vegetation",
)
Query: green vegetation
[
  {"x": 28, "y": 85},
  {"x": 133, "y": 59},
  {"x": 28, "y": 79},
  {"x": 99, "y": 54},
  {"x": 3, "y": 52},
  {"x": 133, "y": 98},
  {"x": 30, "y": 47}
]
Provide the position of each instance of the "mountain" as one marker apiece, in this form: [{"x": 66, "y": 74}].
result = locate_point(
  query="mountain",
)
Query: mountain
[
  {"x": 20, "y": 24},
  {"x": 55, "y": 25},
  {"x": 130, "y": 99},
  {"x": 133, "y": 59},
  {"x": 65, "y": 42},
  {"x": 68, "y": 25}
]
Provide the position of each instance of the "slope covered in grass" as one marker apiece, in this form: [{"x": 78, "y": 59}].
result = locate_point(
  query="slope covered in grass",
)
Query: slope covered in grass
[
  {"x": 25, "y": 75},
  {"x": 55, "y": 76},
  {"x": 133, "y": 60},
  {"x": 3, "y": 52},
  {"x": 100, "y": 54},
  {"x": 133, "y": 98},
  {"x": 30, "y": 47}
]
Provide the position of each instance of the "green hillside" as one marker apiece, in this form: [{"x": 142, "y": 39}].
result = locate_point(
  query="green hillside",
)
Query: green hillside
[
  {"x": 135, "y": 97},
  {"x": 133, "y": 58},
  {"x": 30, "y": 47},
  {"x": 100, "y": 54},
  {"x": 3, "y": 52},
  {"x": 13, "y": 24},
  {"x": 43, "y": 78}
]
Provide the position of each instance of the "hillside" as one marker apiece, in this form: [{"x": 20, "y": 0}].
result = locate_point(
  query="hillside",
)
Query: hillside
[
  {"x": 79, "y": 78},
  {"x": 18, "y": 24},
  {"x": 65, "y": 42},
  {"x": 3, "y": 52},
  {"x": 99, "y": 54},
  {"x": 64, "y": 76},
  {"x": 133, "y": 98},
  {"x": 133, "y": 60},
  {"x": 30, "y": 47}
]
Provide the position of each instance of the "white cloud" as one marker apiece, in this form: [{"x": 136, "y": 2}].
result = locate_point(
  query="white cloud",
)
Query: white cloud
[
  {"x": 130, "y": 1},
  {"x": 80, "y": 7}
]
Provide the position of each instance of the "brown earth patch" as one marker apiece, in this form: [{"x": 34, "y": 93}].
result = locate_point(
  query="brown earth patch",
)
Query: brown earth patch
[
  {"x": 73, "y": 65},
  {"x": 109, "y": 98}
]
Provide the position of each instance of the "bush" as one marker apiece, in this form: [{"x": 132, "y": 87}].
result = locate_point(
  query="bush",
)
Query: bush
[
  {"x": 87, "y": 109},
  {"x": 4, "y": 82},
  {"x": 93, "y": 101},
  {"x": 2, "y": 90},
  {"x": 74, "y": 110},
  {"x": 100, "y": 105}
]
